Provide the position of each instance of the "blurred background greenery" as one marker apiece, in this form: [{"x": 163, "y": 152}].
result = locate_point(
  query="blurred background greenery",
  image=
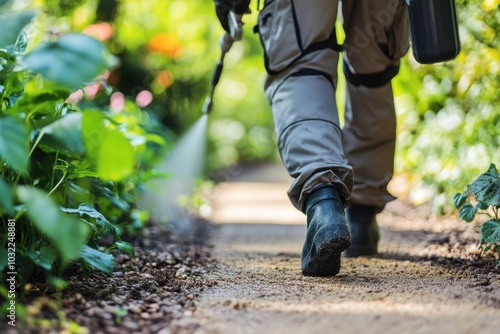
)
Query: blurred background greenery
[{"x": 449, "y": 113}]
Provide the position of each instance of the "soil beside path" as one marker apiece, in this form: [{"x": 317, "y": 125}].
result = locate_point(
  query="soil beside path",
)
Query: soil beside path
[{"x": 428, "y": 277}]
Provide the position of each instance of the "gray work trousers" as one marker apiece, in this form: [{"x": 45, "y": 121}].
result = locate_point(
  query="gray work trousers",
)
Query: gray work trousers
[{"x": 301, "y": 57}]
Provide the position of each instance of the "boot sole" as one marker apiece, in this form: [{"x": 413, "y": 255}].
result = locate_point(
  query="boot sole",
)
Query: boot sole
[
  {"x": 360, "y": 250},
  {"x": 326, "y": 261}
]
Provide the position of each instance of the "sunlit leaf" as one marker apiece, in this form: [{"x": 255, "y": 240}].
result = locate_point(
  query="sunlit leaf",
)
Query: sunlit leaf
[
  {"x": 12, "y": 25},
  {"x": 81, "y": 168},
  {"x": 491, "y": 231},
  {"x": 116, "y": 156},
  {"x": 72, "y": 60},
  {"x": 486, "y": 188},
  {"x": 68, "y": 233},
  {"x": 468, "y": 212},
  {"x": 93, "y": 131},
  {"x": 104, "y": 262},
  {"x": 13, "y": 149}
]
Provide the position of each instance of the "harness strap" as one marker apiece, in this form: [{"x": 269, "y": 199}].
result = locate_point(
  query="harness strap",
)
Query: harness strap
[{"x": 371, "y": 80}]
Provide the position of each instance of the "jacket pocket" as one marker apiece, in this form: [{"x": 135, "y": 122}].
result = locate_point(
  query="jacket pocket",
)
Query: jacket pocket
[{"x": 279, "y": 35}]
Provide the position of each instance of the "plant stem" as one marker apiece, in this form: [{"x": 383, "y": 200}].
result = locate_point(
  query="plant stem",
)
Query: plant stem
[{"x": 58, "y": 183}]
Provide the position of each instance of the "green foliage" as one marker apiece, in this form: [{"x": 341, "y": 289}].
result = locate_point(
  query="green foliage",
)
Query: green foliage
[
  {"x": 12, "y": 26},
  {"x": 13, "y": 148},
  {"x": 70, "y": 171},
  {"x": 449, "y": 119},
  {"x": 72, "y": 60},
  {"x": 485, "y": 190}
]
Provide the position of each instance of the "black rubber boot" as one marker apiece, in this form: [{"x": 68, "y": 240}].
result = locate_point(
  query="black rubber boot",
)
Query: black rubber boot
[
  {"x": 327, "y": 233},
  {"x": 364, "y": 230}
]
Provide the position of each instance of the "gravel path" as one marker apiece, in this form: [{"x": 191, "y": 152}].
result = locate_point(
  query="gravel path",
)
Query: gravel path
[{"x": 428, "y": 278}]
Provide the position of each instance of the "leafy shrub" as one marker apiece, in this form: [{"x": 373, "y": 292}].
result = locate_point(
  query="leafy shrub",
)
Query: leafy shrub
[
  {"x": 449, "y": 119},
  {"x": 486, "y": 191},
  {"x": 70, "y": 175}
]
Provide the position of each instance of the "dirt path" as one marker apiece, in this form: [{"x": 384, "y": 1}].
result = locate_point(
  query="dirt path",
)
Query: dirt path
[{"x": 426, "y": 280}]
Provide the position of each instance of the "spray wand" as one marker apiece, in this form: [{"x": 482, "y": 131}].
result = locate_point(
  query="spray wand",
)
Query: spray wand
[{"x": 226, "y": 42}]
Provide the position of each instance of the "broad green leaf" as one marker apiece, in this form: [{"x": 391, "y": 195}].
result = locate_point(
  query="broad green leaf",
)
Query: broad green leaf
[
  {"x": 486, "y": 188},
  {"x": 72, "y": 60},
  {"x": 491, "y": 231},
  {"x": 67, "y": 232},
  {"x": 126, "y": 247},
  {"x": 116, "y": 156},
  {"x": 459, "y": 199},
  {"x": 6, "y": 201},
  {"x": 13, "y": 148},
  {"x": 104, "y": 262},
  {"x": 89, "y": 211},
  {"x": 468, "y": 212},
  {"x": 12, "y": 25},
  {"x": 44, "y": 257},
  {"x": 93, "y": 131},
  {"x": 65, "y": 133}
]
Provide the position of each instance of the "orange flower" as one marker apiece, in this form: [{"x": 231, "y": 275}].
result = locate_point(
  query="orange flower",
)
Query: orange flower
[{"x": 166, "y": 43}]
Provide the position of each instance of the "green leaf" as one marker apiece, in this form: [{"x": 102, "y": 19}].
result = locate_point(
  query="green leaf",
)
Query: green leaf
[
  {"x": 116, "y": 156},
  {"x": 13, "y": 148},
  {"x": 459, "y": 199},
  {"x": 468, "y": 212},
  {"x": 89, "y": 211},
  {"x": 93, "y": 131},
  {"x": 68, "y": 233},
  {"x": 481, "y": 206},
  {"x": 486, "y": 188},
  {"x": 104, "y": 262},
  {"x": 12, "y": 25},
  {"x": 100, "y": 190},
  {"x": 491, "y": 231},
  {"x": 126, "y": 247},
  {"x": 6, "y": 201},
  {"x": 39, "y": 91},
  {"x": 44, "y": 257},
  {"x": 13, "y": 84},
  {"x": 21, "y": 43},
  {"x": 65, "y": 134},
  {"x": 72, "y": 60},
  {"x": 81, "y": 168}
]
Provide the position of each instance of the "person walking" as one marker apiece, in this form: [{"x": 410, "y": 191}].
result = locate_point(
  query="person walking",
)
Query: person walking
[{"x": 340, "y": 175}]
